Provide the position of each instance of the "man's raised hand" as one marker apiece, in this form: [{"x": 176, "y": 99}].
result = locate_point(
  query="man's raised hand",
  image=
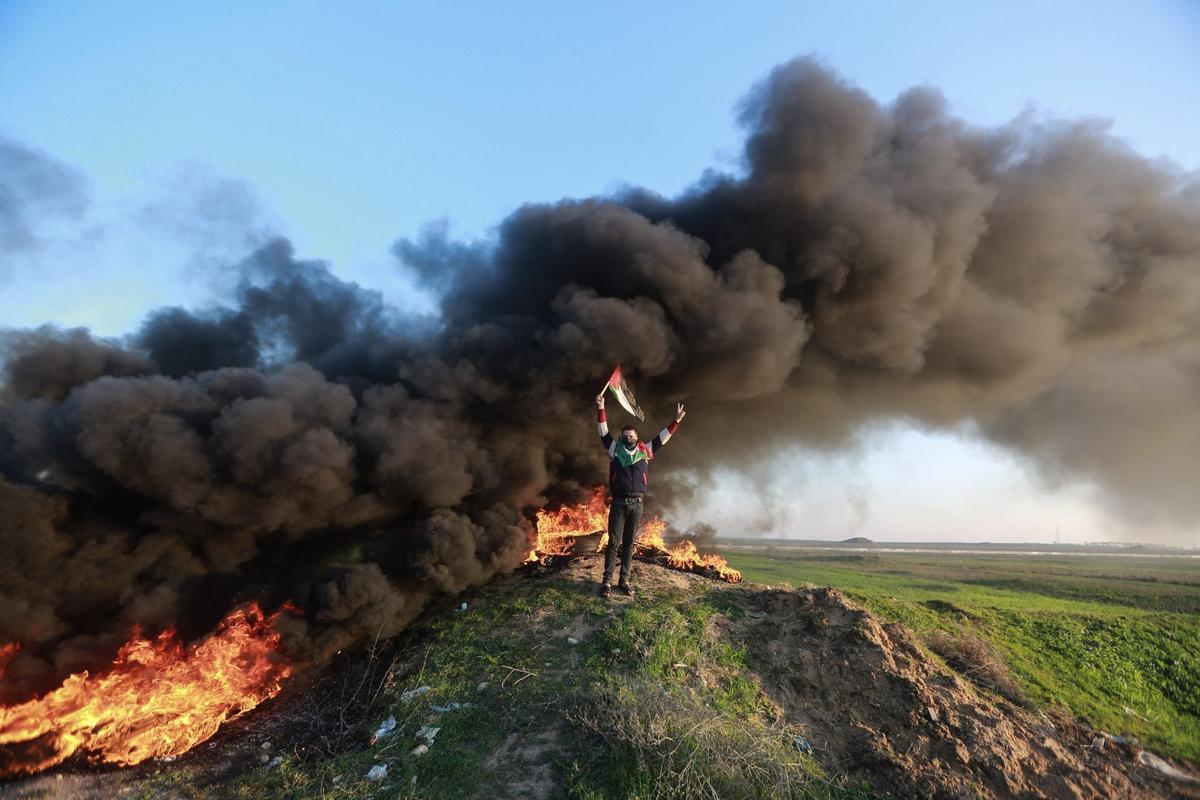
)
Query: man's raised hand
[
  {"x": 600, "y": 400},
  {"x": 679, "y": 412}
]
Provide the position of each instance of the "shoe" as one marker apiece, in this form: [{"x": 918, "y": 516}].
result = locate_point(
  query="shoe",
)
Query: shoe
[
  {"x": 605, "y": 590},
  {"x": 626, "y": 589}
]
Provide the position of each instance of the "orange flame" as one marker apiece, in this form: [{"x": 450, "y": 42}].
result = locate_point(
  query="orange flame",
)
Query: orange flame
[
  {"x": 557, "y": 530},
  {"x": 7, "y": 653},
  {"x": 161, "y": 698}
]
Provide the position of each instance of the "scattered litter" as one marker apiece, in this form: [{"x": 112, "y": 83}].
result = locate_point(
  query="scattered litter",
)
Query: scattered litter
[
  {"x": 1098, "y": 743},
  {"x": 275, "y": 762},
  {"x": 264, "y": 758},
  {"x": 1170, "y": 770},
  {"x": 428, "y": 733},
  {"x": 571, "y": 640},
  {"x": 463, "y": 607},
  {"x": 413, "y": 782},
  {"x": 545, "y": 663},
  {"x": 386, "y": 729},
  {"x": 338, "y": 779},
  {"x": 411, "y": 693},
  {"x": 803, "y": 745},
  {"x": 377, "y": 772},
  {"x": 1119, "y": 739},
  {"x": 933, "y": 714},
  {"x": 679, "y": 665},
  {"x": 420, "y": 750},
  {"x": 266, "y": 745},
  {"x": 453, "y": 706},
  {"x": 481, "y": 686}
]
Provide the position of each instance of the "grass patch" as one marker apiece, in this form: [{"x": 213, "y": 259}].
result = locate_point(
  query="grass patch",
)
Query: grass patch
[
  {"x": 650, "y": 702},
  {"x": 679, "y": 715}
]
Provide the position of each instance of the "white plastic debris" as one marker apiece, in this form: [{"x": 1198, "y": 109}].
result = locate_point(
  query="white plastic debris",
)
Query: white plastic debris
[
  {"x": 408, "y": 696},
  {"x": 377, "y": 772},
  {"x": 266, "y": 745},
  {"x": 571, "y": 640},
  {"x": 1166, "y": 768},
  {"x": 481, "y": 686},
  {"x": 463, "y": 607},
  {"x": 387, "y": 728},
  {"x": 451, "y": 706},
  {"x": 420, "y": 750},
  {"x": 428, "y": 733},
  {"x": 275, "y": 762}
]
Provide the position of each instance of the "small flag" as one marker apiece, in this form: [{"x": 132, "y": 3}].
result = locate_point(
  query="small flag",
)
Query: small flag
[{"x": 624, "y": 393}]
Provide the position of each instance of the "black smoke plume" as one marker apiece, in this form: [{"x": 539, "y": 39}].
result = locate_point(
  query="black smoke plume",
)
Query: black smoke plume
[{"x": 1039, "y": 281}]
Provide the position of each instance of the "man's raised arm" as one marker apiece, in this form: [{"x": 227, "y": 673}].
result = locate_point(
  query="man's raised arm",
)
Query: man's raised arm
[
  {"x": 666, "y": 433},
  {"x": 602, "y": 424}
]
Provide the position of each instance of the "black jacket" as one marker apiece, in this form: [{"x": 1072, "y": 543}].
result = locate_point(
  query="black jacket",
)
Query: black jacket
[{"x": 629, "y": 470}]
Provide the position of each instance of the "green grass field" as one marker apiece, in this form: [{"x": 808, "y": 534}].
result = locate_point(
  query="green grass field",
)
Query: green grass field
[{"x": 1115, "y": 640}]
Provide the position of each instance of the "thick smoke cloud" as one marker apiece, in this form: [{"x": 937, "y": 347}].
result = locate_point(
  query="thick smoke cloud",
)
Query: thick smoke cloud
[{"x": 1040, "y": 281}]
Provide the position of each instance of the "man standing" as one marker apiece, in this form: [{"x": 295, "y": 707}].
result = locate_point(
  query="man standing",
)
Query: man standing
[{"x": 628, "y": 469}]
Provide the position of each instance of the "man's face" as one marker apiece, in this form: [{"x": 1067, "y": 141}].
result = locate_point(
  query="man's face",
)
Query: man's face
[{"x": 629, "y": 437}]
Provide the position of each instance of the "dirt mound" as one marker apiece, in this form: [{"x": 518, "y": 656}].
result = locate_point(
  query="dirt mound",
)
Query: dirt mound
[{"x": 875, "y": 706}]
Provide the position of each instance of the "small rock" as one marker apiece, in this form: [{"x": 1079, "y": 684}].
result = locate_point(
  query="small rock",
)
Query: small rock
[
  {"x": 266, "y": 745},
  {"x": 933, "y": 714},
  {"x": 377, "y": 772},
  {"x": 420, "y": 750},
  {"x": 1098, "y": 743},
  {"x": 264, "y": 758}
]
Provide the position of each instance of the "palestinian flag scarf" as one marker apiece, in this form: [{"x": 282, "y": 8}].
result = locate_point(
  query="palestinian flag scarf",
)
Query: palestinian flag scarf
[{"x": 641, "y": 452}]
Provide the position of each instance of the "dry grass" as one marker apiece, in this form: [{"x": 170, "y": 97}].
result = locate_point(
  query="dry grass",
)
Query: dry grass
[
  {"x": 974, "y": 657},
  {"x": 687, "y": 749}
]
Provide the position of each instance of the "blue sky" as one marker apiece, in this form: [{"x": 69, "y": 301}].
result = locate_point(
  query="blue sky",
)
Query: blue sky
[{"x": 348, "y": 125}]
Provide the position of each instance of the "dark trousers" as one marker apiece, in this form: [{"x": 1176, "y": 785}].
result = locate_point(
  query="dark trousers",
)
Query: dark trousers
[{"x": 623, "y": 517}]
